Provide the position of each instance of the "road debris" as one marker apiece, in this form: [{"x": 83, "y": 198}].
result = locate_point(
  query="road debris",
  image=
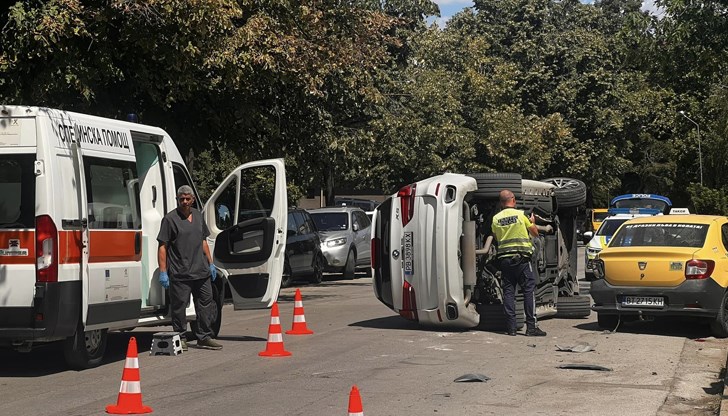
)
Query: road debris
[
  {"x": 584, "y": 367},
  {"x": 472, "y": 377},
  {"x": 579, "y": 347}
]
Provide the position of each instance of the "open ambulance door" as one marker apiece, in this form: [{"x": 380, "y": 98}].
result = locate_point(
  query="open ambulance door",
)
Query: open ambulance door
[{"x": 247, "y": 217}]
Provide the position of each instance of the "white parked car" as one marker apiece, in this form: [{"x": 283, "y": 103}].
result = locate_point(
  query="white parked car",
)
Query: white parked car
[{"x": 433, "y": 263}]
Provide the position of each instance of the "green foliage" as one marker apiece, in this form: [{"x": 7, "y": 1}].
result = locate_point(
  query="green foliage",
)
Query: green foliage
[{"x": 708, "y": 201}]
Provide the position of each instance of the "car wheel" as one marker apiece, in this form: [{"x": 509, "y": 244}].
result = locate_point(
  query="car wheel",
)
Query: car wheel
[
  {"x": 607, "y": 321},
  {"x": 350, "y": 267},
  {"x": 573, "y": 307},
  {"x": 85, "y": 349},
  {"x": 719, "y": 326},
  {"x": 318, "y": 269},
  {"x": 287, "y": 278},
  {"x": 490, "y": 184},
  {"x": 569, "y": 192}
]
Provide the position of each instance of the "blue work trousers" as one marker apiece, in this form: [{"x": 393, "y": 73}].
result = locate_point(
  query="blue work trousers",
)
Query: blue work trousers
[{"x": 517, "y": 270}]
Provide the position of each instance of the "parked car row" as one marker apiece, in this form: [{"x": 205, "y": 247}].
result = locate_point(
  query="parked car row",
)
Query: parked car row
[{"x": 334, "y": 239}]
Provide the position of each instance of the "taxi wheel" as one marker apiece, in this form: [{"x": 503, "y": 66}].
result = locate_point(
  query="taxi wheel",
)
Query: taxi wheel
[
  {"x": 573, "y": 307},
  {"x": 85, "y": 349},
  {"x": 719, "y": 326},
  {"x": 350, "y": 267}
]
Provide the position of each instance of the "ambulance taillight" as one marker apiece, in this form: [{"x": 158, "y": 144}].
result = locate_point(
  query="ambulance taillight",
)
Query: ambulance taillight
[{"x": 46, "y": 249}]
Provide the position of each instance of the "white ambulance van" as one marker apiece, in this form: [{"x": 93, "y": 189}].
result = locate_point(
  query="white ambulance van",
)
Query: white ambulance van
[{"x": 81, "y": 202}]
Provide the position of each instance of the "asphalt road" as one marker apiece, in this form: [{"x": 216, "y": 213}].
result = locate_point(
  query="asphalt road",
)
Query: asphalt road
[{"x": 400, "y": 369}]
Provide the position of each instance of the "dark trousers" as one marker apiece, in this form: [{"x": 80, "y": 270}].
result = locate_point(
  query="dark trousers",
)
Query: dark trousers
[
  {"x": 179, "y": 295},
  {"x": 517, "y": 270}
]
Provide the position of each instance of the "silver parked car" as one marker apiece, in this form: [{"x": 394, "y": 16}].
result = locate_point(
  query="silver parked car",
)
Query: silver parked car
[{"x": 345, "y": 239}]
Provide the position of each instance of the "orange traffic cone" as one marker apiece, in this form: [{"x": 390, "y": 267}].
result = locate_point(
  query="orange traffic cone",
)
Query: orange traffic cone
[
  {"x": 355, "y": 408},
  {"x": 274, "y": 346},
  {"x": 129, "y": 401},
  {"x": 299, "y": 320}
]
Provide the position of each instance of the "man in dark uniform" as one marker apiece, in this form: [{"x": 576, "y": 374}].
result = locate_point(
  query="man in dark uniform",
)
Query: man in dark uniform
[
  {"x": 185, "y": 256},
  {"x": 511, "y": 229}
]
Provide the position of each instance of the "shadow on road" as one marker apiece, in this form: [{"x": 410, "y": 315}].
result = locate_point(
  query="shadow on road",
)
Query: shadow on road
[
  {"x": 242, "y": 338},
  {"x": 388, "y": 322},
  {"x": 675, "y": 327}
]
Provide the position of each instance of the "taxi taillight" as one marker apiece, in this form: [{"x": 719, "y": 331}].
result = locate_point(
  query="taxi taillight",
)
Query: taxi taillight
[
  {"x": 46, "y": 249},
  {"x": 409, "y": 303},
  {"x": 407, "y": 202},
  {"x": 699, "y": 269}
]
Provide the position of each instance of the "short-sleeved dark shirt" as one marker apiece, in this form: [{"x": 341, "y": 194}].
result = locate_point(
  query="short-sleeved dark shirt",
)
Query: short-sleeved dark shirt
[{"x": 185, "y": 258}]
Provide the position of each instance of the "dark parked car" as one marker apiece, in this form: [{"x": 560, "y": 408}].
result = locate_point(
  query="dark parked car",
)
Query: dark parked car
[{"x": 304, "y": 259}]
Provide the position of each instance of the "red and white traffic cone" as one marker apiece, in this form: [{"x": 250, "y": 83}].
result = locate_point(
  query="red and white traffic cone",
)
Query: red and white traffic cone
[
  {"x": 355, "y": 407},
  {"x": 129, "y": 401},
  {"x": 299, "y": 320},
  {"x": 274, "y": 346}
]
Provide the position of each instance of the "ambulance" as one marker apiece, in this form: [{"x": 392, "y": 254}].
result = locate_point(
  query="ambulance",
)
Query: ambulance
[{"x": 82, "y": 199}]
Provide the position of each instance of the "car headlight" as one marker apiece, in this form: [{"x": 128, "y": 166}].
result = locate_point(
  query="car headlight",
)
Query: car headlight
[
  {"x": 593, "y": 251},
  {"x": 335, "y": 242}
]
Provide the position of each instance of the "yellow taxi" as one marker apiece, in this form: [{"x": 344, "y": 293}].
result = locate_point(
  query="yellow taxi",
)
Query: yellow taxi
[{"x": 666, "y": 265}]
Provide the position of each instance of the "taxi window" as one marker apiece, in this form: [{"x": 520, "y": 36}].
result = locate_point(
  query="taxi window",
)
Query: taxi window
[
  {"x": 724, "y": 235},
  {"x": 660, "y": 235}
]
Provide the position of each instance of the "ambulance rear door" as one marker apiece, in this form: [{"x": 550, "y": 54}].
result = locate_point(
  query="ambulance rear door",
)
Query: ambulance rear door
[
  {"x": 109, "y": 220},
  {"x": 247, "y": 218}
]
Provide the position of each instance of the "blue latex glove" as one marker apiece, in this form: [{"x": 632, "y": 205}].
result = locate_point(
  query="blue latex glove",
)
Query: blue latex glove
[
  {"x": 213, "y": 272},
  {"x": 164, "y": 279}
]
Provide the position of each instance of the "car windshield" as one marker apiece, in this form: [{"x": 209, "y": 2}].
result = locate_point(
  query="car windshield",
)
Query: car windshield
[
  {"x": 331, "y": 221},
  {"x": 660, "y": 234},
  {"x": 610, "y": 227}
]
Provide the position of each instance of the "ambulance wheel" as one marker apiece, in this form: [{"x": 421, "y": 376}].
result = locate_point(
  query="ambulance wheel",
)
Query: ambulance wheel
[
  {"x": 490, "y": 184},
  {"x": 573, "y": 307},
  {"x": 218, "y": 297},
  {"x": 85, "y": 349},
  {"x": 569, "y": 192}
]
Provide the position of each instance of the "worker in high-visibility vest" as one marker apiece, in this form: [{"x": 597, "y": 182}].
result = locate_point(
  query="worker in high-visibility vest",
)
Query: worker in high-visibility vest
[{"x": 512, "y": 231}]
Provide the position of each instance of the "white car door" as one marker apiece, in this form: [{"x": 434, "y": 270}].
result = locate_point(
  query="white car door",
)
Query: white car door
[{"x": 247, "y": 216}]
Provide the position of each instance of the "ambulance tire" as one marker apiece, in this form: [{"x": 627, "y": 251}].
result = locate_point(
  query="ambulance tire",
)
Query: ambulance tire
[
  {"x": 218, "y": 297},
  {"x": 569, "y": 192},
  {"x": 490, "y": 184},
  {"x": 84, "y": 350}
]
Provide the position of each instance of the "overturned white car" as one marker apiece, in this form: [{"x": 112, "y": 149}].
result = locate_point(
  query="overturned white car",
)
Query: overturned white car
[{"x": 432, "y": 258}]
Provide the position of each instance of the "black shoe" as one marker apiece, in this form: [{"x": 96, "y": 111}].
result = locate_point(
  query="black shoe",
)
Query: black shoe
[
  {"x": 535, "y": 332},
  {"x": 511, "y": 332}
]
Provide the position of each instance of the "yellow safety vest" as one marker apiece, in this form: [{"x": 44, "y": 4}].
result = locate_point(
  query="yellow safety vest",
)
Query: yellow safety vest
[{"x": 510, "y": 228}]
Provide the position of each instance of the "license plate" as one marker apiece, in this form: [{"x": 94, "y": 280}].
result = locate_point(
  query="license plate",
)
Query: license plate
[
  {"x": 647, "y": 301},
  {"x": 408, "y": 254}
]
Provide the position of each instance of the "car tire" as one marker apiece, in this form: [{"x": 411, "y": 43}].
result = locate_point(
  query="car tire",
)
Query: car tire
[
  {"x": 569, "y": 192},
  {"x": 607, "y": 321},
  {"x": 493, "y": 316},
  {"x": 85, "y": 349},
  {"x": 350, "y": 266},
  {"x": 573, "y": 307},
  {"x": 287, "y": 278},
  {"x": 719, "y": 326},
  {"x": 318, "y": 269},
  {"x": 490, "y": 184}
]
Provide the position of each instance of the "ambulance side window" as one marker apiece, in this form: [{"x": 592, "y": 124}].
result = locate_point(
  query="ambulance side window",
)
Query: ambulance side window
[
  {"x": 112, "y": 188},
  {"x": 181, "y": 177}
]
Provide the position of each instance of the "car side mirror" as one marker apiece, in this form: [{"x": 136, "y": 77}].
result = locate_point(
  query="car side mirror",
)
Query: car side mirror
[
  {"x": 588, "y": 236},
  {"x": 355, "y": 227}
]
